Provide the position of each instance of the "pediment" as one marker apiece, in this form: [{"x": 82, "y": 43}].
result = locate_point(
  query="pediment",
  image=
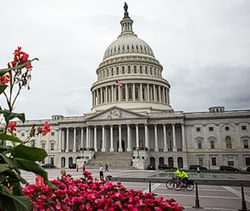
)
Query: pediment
[{"x": 116, "y": 113}]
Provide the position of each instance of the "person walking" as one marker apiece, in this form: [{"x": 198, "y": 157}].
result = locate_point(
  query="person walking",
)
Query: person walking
[
  {"x": 101, "y": 173},
  {"x": 106, "y": 167},
  {"x": 77, "y": 168},
  {"x": 83, "y": 167}
]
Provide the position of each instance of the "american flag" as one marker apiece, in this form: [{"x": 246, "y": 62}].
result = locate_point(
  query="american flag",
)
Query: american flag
[{"x": 118, "y": 83}]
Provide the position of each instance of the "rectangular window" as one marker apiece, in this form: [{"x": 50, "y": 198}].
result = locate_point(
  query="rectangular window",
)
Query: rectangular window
[
  {"x": 117, "y": 71},
  {"x": 146, "y": 70},
  {"x": 143, "y": 93},
  {"x": 247, "y": 159},
  {"x": 112, "y": 71},
  {"x": 136, "y": 93},
  {"x": 117, "y": 94},
  {"x": 128, "y": 69},
  {"x": 43, "y": 145},
  {"x": 243, "y": 127},
  {"x": 200, "y": 160},
  {"x": 123, "y": 93},
  {"x": 210, "y": 128},
  {"x": 123, "y": 70},
  {"x": 140, "y": 69},
  {"x": 230, "y": 163},
  {"x": 199, "y": 145},
  {"x": 52, "y": 146},
  {"x": 107, "y": 73},
  {"x": 130, "y": 93},
  {"x": 212, "y": 144},
  {"x": 213, "y": 161},
  {"x": 198, "y": 129},
  {"x": 245, "y": 143}
]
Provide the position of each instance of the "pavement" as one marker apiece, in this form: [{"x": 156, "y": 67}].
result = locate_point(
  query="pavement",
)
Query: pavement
[{"x": 211, "y": 197}]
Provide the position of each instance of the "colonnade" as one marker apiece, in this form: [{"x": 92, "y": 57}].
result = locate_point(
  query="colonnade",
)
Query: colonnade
[
  {"x": 107, "y": 140},
  {"x": 130, "y": 92}
]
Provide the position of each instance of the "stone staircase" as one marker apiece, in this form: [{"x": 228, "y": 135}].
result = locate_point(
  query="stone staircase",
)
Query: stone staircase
[{"x": 113, "y": 159}]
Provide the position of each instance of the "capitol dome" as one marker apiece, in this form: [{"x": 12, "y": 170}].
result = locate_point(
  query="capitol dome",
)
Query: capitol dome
[{"x": 129, "y": 76}]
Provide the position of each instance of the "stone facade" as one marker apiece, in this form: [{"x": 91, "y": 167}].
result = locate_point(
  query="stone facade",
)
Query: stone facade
[{"x": 131, "y": 112}]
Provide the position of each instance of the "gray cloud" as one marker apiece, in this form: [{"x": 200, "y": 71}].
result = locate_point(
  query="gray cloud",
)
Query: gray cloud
[{"x": 203, "y": 46}]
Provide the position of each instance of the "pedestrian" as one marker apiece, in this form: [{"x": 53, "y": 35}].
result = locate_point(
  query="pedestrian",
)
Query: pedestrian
[
  {"x": 77, "y": 168},
  {"x": 101, "y": 173},
  {"x": 198, "y": 170},
  {"x": 83, "y": 167},
  {"x": 106, "y": 167}
]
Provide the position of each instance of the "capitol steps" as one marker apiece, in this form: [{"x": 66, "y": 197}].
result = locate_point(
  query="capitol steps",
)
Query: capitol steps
[{"x": 112, "y": 159}]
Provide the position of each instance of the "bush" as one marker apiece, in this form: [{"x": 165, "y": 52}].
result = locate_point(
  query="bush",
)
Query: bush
[{"x": 89, "y": 194}]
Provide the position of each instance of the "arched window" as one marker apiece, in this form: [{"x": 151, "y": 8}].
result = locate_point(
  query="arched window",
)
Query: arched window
[
  {"x": 43, "y": 145},
  {"x": 228, "y": 142}
]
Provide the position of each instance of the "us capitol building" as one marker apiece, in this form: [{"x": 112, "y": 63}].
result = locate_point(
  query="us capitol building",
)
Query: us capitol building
[{"x": 131, "y": 122}]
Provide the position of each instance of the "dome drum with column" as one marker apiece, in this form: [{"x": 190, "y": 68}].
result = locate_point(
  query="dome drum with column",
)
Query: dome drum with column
[{"x": 130, "y": 61}]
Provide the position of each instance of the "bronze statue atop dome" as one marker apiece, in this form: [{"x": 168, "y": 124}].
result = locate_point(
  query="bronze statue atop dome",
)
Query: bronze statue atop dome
[{"x": 125, "y": 10}]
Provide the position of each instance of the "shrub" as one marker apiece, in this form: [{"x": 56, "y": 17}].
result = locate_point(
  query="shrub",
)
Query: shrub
[{"x": 89, "y": 194}]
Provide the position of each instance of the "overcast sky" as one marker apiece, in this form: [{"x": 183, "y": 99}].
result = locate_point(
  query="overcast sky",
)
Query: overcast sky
[{"x": 203, "y": 46}]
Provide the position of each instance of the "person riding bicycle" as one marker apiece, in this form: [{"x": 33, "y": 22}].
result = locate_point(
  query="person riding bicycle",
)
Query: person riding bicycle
[
  {"x": 177, "y": 175},
  {"x": 184, "y": 177}
]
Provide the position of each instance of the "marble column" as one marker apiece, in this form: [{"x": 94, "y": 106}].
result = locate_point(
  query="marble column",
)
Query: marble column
[
  {"x": 120, "y": 93},
  {"x": 103, "y": 139},
  {"x": 148, "y": 93},
  {"x": 112, "y": 94},
  {"x": 67, "y": 141},
  {"x": 174, "y": 138},
  {"x": 111, "y": 139},
  {"x": 98, "y": 97},
  {"x": 82, "y": 139},
  {"x": 60, "y": 139},
  {"x": 183, "y": 138},
  {"x": 159, "y": 93},
  {"x": 126, "y": 90},
  {"x": 155, "y": 96},
  {"x": 137, "y": 136},
  {"x": 120, "y": 139},
  {"x": 87, "y": 138},
  {"x": 129, "y": 139},
  {"x": 101, "y": 96},
  {"x": 106, "y": 94},
  {"x": 165, "y": 138},
  {"x": 141, "y": 99},
  {"x": 133, "y": 93},
  {"x": 156, "y": 139},
  {"x": 95, "y": 138},
  {"x": 74, "y": 142},
  {"x": 163, "y": 95},
  {"x": 146, "y": 136}
]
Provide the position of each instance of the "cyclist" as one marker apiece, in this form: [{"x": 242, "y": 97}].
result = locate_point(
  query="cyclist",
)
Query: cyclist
[
  {"x": 177, "y": 175},
  {"x": 184, "y": 177}
]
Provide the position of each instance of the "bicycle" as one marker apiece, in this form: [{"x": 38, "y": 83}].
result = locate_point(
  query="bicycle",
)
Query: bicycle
[
  {"x": 171, "y": 183},
  {"x": 189, "y": 185}
]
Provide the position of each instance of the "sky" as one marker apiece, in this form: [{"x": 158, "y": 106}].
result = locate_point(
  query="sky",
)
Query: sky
[{"x": 203, "y": 46}]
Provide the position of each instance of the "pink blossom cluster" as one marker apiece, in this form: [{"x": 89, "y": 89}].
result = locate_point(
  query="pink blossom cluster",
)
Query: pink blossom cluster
[{"x": 89, "y": 194}]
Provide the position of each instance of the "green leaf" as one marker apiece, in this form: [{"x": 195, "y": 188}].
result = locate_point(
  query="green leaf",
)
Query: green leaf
[
  {"x": 2, "y": 88},
  {"x": 9, "y": 115},
  {"x": 29, "y": 153},
  {"x": 3, "y": 71},
  {"x": 31, "y": 166},
  {"x": 17, "y": 203},
  {"x": 4, "y": 148},
  {"x": 4, "y": 136},
  {"x": 11, "y": 162}
]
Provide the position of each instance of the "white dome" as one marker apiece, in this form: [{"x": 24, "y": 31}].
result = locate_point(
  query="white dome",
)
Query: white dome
[{"x": 128, "y": 43}]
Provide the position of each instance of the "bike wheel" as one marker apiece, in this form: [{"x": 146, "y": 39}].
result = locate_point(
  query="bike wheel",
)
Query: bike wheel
[
  {"x": 190, "y": 186},
  {"x": 170, "y": 184},
  {"x": 177, "y": 186}
]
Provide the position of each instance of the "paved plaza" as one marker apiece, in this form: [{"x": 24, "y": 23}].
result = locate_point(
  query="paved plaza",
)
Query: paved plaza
[{"x": 210, "y": 197}]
